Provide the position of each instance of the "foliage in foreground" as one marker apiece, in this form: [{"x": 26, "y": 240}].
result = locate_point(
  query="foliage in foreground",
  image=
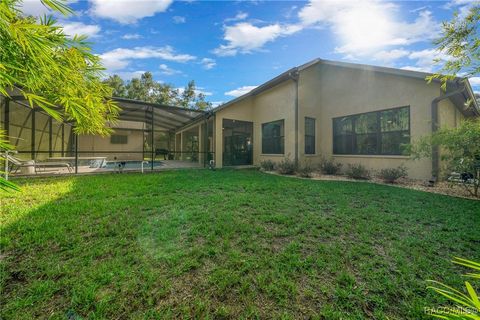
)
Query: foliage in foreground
[
  {"x": 460, "y": 151},
  {"x": 4, "y": 147},
  {"x": 52, "y": 70},
  {"x": 169, "y": 246},
  {"x": 467, "y": 305},
  {"x": 460, "y": 40}
]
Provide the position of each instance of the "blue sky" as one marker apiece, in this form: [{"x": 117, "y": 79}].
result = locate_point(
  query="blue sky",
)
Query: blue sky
[{"x": 229, "y": 47}]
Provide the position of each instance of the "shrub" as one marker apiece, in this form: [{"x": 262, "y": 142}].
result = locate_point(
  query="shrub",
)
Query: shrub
[
  {"x": 330, "y": 166},
  {"x": 287, "y": 166},
  {"x": 267, "y": 165},
  {"x": 390, "y": 175},
  {"x": 358, "y": 171},
  {"x": 460, "y": 148},
  {"x": 305, "y": 171}
]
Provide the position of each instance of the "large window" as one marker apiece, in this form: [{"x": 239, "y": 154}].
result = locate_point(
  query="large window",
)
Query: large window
[
  {"x": 380, "y": 132},
  {"x": 309, "y": 135},
  {"x": 273, "y": 137}
]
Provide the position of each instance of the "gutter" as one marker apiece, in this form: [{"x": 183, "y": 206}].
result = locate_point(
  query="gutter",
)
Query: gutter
[
  {"x": 294, "y": 75},
  {"x": 435, "y": 126}
]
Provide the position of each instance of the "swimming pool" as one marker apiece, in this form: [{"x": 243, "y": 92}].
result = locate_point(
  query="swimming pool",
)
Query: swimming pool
[{"x": 132, "y": 164}]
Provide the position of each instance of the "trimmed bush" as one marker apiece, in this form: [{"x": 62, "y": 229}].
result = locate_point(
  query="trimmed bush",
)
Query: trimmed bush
[
  {"x": 267, "y": 165},
  {"x": 358, "y": 172},
  {"x": 329, "y": 166},
  {"x": 287, "y": 166},
  {"x": 305, "y": 171},
  {"x": 390, "y": 175}
]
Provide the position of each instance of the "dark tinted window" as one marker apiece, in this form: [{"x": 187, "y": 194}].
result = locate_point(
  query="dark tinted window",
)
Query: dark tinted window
[
  {"x": 382, "y": 132},
  {"x": 273, "y": 137},
  {"x": 309, "y": 136}
]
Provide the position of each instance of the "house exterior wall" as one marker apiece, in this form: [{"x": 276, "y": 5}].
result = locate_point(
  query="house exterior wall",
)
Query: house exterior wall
[
  {"x": 448, "y": 117},
  {"x": 326, "y": 92},
  {"x": 271, "y": 105},
  {"x": 347, "y": 91},
  {"x": 448, "y": 114},
  {"x": 91, "y": 145},
  {"x": 240, "y": 111}
]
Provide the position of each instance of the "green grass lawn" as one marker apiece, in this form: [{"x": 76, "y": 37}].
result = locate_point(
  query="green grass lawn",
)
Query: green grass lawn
[{"x": 227, "y": 244}]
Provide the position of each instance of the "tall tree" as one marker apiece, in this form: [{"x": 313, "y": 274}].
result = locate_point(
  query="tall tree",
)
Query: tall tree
[
  {"x": 188, "y": 95},
  {"x": 143, "y": 88},
  {"x": 51, "y": 70},
  {"x": 192, "y": 99},
  {"x": 147, "y": 89},
  {"x": 460, "y": 39},
  {"x": 117, "y": 84}
]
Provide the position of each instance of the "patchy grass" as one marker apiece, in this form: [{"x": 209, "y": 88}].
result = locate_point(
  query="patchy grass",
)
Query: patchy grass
[{"x": 227, "y": 244}]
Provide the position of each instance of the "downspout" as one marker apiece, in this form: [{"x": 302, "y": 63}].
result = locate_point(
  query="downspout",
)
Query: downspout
[
  {"x": 205, "y": 138},
  {"x": 294, "y": 75},
  {"x": 435, "y": 126}
]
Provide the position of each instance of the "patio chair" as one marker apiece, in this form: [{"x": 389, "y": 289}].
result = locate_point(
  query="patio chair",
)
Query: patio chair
[{"x": 18, "y": 163}]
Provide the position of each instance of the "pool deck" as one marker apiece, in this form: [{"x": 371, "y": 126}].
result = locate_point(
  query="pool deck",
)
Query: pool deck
[{"x": 165, "y": 165}]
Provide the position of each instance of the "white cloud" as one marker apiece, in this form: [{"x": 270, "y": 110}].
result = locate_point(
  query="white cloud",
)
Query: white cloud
[
  {"x": 217, "y": 103},
  {"x": 240, "y": 16},
  {"x": 240, "y": 91},
  {"x": 78, "y": 28},
  {"x": 361, "y": 28},
  {"x": 455, "y": 3},
  {"x": 128, "y": 75},
  {"x": 121, "y": 57},
  {"x": 179, "y": 19},
  {"x": 390, "y": 55},
  {"x": 208, "y": 63},
  {"x": 365, "y": 27},
  {"x": 36, "y": 8},
  {"x": 474, "y": 81},
  {"x": 425, "y": 59},
  {"x": 414, "y": 68},
  {"x": 198, "y": 90},
  {"x": 166, "y": 70},
  {"x": 131, "y": 36},
  {"x": 128, "y": 11},
  {"x": 244, "y": 37}
]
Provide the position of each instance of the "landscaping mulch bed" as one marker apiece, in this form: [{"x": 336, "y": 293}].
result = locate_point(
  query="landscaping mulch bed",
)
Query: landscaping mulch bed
[{"x": 445, "y": 188}]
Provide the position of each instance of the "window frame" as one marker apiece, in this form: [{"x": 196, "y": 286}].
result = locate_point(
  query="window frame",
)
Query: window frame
[
  {"x": 281, "y": 137},
  {"x": 307, "y": 152},
  {"x": 378, "y": 133},
  {"x": 119, "y": 142}
]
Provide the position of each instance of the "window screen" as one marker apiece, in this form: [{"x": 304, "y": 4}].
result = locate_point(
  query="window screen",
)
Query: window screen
[{"x": 118, "y": 139}]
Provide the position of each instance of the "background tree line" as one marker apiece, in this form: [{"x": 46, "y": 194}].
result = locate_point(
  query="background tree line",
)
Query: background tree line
[{"x": 147, "y": 89}]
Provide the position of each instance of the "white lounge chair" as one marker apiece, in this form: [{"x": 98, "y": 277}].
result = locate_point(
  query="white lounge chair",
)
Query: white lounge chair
[{"x": 18, "y": 163}]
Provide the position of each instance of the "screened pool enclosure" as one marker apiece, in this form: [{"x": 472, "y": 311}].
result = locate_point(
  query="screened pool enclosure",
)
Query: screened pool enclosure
[{"x": 146, "y": 137}]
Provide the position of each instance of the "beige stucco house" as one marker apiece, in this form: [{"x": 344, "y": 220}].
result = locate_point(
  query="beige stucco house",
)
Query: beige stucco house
[
  {"x": 323, "y": 109},
  {"x": 349, "y": 112}
]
